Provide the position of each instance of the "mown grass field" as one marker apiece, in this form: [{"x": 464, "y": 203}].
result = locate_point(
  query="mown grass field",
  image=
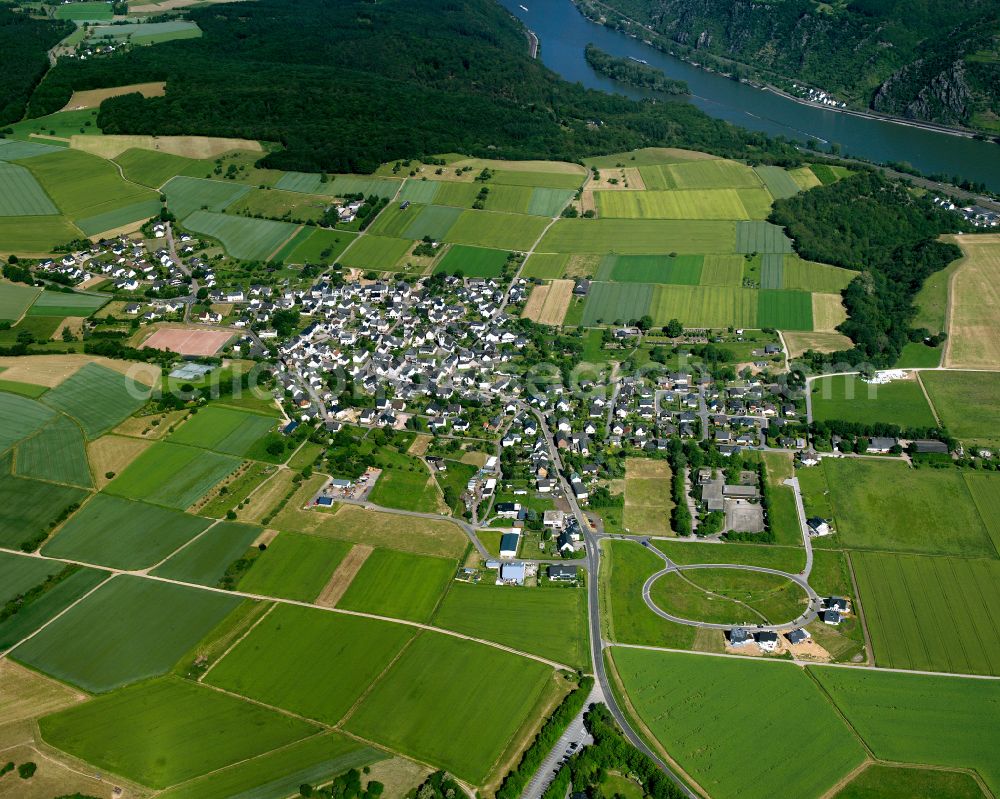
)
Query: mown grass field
[
  {"x": 223, "y": 430},
  {"x": 21, "y": 194},
  {"x": 172, "y": 474},
  {"x": 966, "y": 403},
  {"x": 57, "y": 452},
  {"x": 294, "y": 566},
  {"x": 847, "y": 398},
  {"x": 205, "y": 561},
  {"x": 550, "y": 622},
  {"x": 320, "y": 246},
  {"x": 912, "y": 718},
  {"x": 310, "y": 761},
  {"x": 400, "y": 488},
  {"x": 639, "y": 236},
  {"x": 250, "y": 239},
  {"x": 167, "y": 731},
  {"x": 83, "y": 185},
  {"x": 123, "y": 534},
  {"x": 441, "y": 672},
  {"x": 472, "y": 261},
  {"x": 931, "y": 613},
  {"x": 927, "y": 511},
  {"x": 380, "y": 253},
  {"x": 129, "y": 629},
  {"x": 287, "y": 660},
  {"x": 399, "y": 584},
  {"x": 98, "y": 398},
  {"x": 15, "y": 299},
  {"x": 691, "y": 705},
  {"x": 625, "y": 615}
]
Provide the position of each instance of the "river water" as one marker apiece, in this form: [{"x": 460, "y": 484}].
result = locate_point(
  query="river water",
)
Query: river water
[{"x": 564, "y": 32}]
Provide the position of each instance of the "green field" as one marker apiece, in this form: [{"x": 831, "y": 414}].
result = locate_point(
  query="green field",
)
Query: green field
[
  {"x": 376, "y": 252},
  {"x": 186, "y": 195},
  {"x": 472, "y": 261},
  {"x": 549, "y": 622},
  {"x": 426, "y": 191},
  {"x": 337, "y": 185},
  {"x": 779, "y": 183},
  {"x": 57, "y": 453},
  {"x": 167, "y": 731},
  {"x": 639, "y": 236},
  {"x": 912, "y": 718},
  {"x": 280, "y": 773},
  {"x": 691, "y": 704},
  {"x": 787, "y": 310},
  {"x": 19, "y": 573},
  {"x": 290, "y": 659},
  {"x": 60, "y": 303},
  {"x": 400, "y": 488},
  {"x": 73, "y": 179},
  {"x": 20, "y": 417},
  {"x": 172, "y": 475},
  {"x": 711, "y": 174},
  {"x": 399, "y": 584},
  {"x": 916, "y": 354},
  {"x": 966, "y": 403},
  {"x": 609, "y": 302},
  {"x": 15, "y": 299},
  {"x": 13, "y": 150},
  {"x": 223, "y": 430},
  {"x": 736, "y": 597},
  {"x": 250, "y": 239},
  {"x": 320, "y": 246},
  {"x": 33, "y": 615},
  {"x": 129, "y": 629},
  {"x": 28, "y": 508},
  {"x": 921, "y": 511},
  {"x": 847, "y": 398},
  {"x": 88, "y": 10},
  {"x": 122, "y": 534},
  {"x": 548, "y": 201},
  {"x": 811, "y": 276},
  {"x": 20, "y": 193},
  {"x": 31, "y": 390},
  {"x": 497, "y": 230},
  {"x": 119, "y": 217},
  {"x": 205, "y": 561},
  {"x": 431, "y": 220},
  {"x": 883, "y": 782},
  {"x": 786, "y": 559},
  {"x": 684, "y": 270},
  {"x": 294, "y": 566},
  {"x": 985, "y": 490},
  {"x": 763, "y": 237},
  {"x": 36, "y": 234},
  {"x": 931, "y": 614},
  {"x": 98, "y": 398},
  {"x": 625, "y": 615},
  {"x": 549, "y": 180},
  {"x": 152, "y": 168},
  {"x": 705, "y": 306},
  {"x": 429, "y": 704},
  {"x": 547, "y": 266},
  {"x": 725, "y": 203},
  {"x": 148, "y": 32}
]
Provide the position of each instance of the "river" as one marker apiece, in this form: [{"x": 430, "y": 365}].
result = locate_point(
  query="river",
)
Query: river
[{"x": 564, "y": 32}]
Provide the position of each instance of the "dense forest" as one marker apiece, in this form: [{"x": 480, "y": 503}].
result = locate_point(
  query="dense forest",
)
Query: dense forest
[
  {"x": 25, "y": 43},
  {"x": 632, "y": 73},
  {"x": 880, "y": 228},
  {"x": 347, "y": 86},
  {"x": 925, "y": 59}
]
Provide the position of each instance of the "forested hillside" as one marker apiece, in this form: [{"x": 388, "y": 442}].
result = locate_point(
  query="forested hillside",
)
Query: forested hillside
[
  {"x": 878, "y": 227},
  {"x": 345, "y": 86},
  {"x": 24, "y": 43},
  {"x": 925, "y": 59}
]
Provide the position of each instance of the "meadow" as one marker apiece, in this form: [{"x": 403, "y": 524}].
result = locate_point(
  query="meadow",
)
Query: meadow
[
  {"x": 36, "y": 234},
  {"x": 985, "y": 490},
  {"x": 294, "y": 566},
  {"x": 166, "y": 731},
  {"x": 811, "y": 276},
  {"x": 931, "y": 613},
  {"x": 98, "y": 398},
  {"x": 131, "y": 628},
  {"x": 249, "y": 239},
  {"x": 28, "y": 508},
  {"x": 172, "y": 474},
  {"x": 648, "y": 500},
  {"x": 429, "y": 704},
  {"x": 847, "y": 398},
  {"x": 401, "y": 488},
  {"x": 122, "y": 534},
  {"x": 223, "y": 430},
  {"x": 639, "y": 236},
  {"x": 288, "y": 660},
  {"x": 626, "y": 617},
  {"x": 550, "y": 622},
  {"x": 399, "y": 584},
  {"x": 926, "y": 511},
  {"x": 152, "y": 168},
  {"x": 496, "y": 230},
  {"x": 974, "y": 315},
  {"x": 21, "y": 194},
  {"x": 688, "y": 703},
  {"x": 15, "y": 299},
  {"x": 205, "y": 560},
  {"x": 380, "y": 253},
  {"x": 61, "y": 303},
  {"x": 320, "y": 246},
  {"x": 966, "y": 403},
  {"x": 773, "y": 598},
  {"x": 57, "y": 452},
  {"x": 786, "y": 559},
  {"x": 32, "y": 616},
  {"x": 884, "y": 781},
  {"x": 913, "y": 718},
  {"x": 721, "y": 204},
  {"x": 547, "y": 266},
  {"x": 472, "y": 261}
]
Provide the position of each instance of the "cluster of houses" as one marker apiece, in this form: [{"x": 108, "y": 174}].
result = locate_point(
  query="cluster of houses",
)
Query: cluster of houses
[
  {"x": 127, "y": 262},
  {"x": 833, "y": 610},
  {"x": 818, "y": 96},
  {"x": 976, "y": 215}
]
